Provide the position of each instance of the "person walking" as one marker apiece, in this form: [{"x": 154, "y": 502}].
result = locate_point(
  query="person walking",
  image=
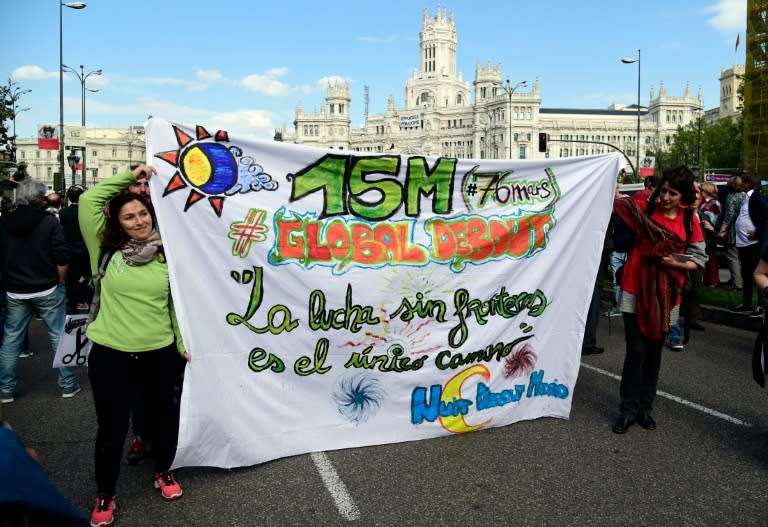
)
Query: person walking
[
  {"x": 727, "y": 233},
  {"x": 652, "y": 283},
  {"x": 136, "y": 344},
  {"x": 710, "y": 212},
  {"x": 34, "y": 256},
  {"x": 750, "y": 228}
]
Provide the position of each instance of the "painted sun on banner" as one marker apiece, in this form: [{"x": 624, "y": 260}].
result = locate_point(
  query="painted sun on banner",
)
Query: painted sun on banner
[{"x": 332, "y": 299}]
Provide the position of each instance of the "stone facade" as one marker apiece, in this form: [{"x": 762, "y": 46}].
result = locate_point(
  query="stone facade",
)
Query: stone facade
[
  {"x": 109, "y": 151},
  {"x": 444, "y": 116}
]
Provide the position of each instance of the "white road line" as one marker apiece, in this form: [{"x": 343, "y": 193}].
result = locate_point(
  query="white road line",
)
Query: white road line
[
  {"x": 677, "y": 399},
  {"x": 335, "y": 486}
]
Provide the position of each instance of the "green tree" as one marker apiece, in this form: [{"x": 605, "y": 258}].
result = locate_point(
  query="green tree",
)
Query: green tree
[
  {"x": 6, "y": 111},
  {"x": 715, "y": 146},
  {"x": 723, "y": 140}
]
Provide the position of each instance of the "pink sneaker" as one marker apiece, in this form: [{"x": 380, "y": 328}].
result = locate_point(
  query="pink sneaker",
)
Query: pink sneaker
[
  {"x": 103, "y": 513},
  {"x": 169, "y": 487},
  {"x": 137, "y": 452}
]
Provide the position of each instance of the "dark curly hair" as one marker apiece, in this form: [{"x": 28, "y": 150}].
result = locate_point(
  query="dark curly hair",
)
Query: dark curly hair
[
  {"x": 680, "y": 178},
  {"x": 113, "y": 237}
]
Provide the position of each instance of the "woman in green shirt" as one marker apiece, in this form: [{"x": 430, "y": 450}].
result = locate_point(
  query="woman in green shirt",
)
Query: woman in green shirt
[{"x": 136, "y": 344}]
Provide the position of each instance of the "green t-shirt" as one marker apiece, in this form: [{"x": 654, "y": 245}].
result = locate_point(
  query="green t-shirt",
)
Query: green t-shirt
[{"x": 135, "y": 313}]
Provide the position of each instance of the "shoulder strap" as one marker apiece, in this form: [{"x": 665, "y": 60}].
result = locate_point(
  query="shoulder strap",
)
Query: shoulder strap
[
  {"x": 688, "y": 223},
  {"x": 104, "y": 257}
]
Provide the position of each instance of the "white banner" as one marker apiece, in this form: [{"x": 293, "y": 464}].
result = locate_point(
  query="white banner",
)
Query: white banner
[
  {"x": 334, "y": 300},
  {"x": 74, "y": 346},
  {"x": 410, "y": 121}
]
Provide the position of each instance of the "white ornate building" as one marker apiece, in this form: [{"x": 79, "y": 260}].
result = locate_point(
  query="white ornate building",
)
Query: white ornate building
[
  {"x": 442, "y": 115},
  {"x": 445, "y": 115},
  {"x": 109, "y": 151}
]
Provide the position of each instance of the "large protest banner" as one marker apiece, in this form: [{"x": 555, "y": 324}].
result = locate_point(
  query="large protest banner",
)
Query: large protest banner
[{"x": 333, "y": 299}]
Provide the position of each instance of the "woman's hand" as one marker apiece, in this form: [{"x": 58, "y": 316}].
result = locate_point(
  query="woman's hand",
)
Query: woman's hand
[
  {"x": 707, "y": 225},
  {"x": 187, "y": 356},
  {"x": 144, "y": 171},
  {"x": 674, "y": 263}
]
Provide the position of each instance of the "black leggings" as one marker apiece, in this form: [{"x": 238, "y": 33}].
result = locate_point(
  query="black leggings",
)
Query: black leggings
[
  {"x": 117, "y": 379},
  {"x": 641, "y": 369}
]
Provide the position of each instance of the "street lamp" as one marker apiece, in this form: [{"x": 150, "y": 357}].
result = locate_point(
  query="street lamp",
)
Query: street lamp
[
  {"x": 627, "y": 60},
  {"x": 62, "y": 5},
  {"x": 72, "y": 159},
  {"x": 510, "y": 91},
  {"x": 82, "y": 77},
  {"x": 700, "y": 110}
]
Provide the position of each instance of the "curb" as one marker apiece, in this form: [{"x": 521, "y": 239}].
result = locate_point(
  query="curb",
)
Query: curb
[
  {"x": 718, "y": 315},
  {"x": 713, "y": 314}
]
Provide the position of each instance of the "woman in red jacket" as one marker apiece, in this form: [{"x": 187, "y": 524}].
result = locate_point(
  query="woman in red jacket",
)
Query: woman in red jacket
[{"x": 667, "y": 242}]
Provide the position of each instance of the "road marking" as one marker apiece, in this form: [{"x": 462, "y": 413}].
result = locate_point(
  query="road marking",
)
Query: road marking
[
  {"x": 680, "y": 400},
  {"x": 335, "y": 486}
]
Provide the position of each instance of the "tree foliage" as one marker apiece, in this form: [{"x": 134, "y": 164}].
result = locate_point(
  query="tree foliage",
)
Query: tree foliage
[
  {"x": 6, "y": 111},
  {"x": 715, "y": 146}
]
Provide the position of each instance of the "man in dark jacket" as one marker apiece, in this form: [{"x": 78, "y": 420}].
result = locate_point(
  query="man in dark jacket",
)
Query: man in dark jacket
[
  {"x": 79, "y": 271},
  {"x": 34, "y": 257}
]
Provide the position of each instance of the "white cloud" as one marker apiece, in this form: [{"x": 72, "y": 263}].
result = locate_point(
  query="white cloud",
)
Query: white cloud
[
  {"x": 728, "y": 15},
  {"x": 267, "y": 84},
  {"x": 209, "y": 75},
  {"x": 254, "y": 122},
  {"x": 33, "y": 73}
]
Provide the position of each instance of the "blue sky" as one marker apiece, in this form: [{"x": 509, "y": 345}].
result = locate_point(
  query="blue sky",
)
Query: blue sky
[{"x": 244, "y": 65}]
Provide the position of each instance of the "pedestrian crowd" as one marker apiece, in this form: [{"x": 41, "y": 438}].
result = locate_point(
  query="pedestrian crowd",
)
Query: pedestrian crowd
[{"x": 102, "y": 254}]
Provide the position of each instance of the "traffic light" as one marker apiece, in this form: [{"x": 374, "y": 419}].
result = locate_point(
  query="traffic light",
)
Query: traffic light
[{"x": 543, "y": 141}]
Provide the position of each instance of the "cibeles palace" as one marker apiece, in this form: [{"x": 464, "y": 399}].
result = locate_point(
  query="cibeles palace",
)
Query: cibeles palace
[
  {"x": 493, "y": 118},
  {"x": 443, "y": 115}
]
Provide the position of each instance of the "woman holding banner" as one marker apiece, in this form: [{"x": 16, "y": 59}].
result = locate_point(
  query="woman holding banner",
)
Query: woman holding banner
[
  {"x": 136, "y": 344},
  {"x": 667, "y": 242}
]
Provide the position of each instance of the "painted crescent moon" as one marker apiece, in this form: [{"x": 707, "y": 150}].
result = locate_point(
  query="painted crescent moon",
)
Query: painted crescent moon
[{"x": 452, "y": 390}]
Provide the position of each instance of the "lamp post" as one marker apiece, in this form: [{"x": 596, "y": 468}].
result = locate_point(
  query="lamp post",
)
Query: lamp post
[
  {"x": 82, "y": 77},
  {"x": 510, "y": 90},
  {"x": 698, "y": 140},
  {"x": 72, "y": 159},
  {"x": 62, "y": 5},
  {"x": 627, "y": 60}
]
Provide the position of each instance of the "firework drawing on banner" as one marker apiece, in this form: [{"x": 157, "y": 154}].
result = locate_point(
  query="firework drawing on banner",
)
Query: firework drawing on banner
[
  {"x": 358, "y": 397},
  {"x": 397, "y": 337},
  {"x": 520, "y": 362},
  {"x": 408, "y": 283}
]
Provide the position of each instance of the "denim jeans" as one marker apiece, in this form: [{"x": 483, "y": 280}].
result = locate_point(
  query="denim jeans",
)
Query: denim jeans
[
  {"x": 52, "y": 309},
  {"x": 617, "y": 260},
  {"x": 675, "y": 336}
]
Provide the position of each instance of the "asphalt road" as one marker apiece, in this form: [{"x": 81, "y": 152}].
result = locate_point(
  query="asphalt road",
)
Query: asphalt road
[{"x": 706, "y": 464}]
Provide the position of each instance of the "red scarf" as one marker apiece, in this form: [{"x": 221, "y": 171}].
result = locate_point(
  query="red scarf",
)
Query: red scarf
[{"x": 658, "y": 286}]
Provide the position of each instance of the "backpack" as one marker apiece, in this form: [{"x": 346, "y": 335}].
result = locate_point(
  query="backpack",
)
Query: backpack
[{"x": 104, "y": 257}]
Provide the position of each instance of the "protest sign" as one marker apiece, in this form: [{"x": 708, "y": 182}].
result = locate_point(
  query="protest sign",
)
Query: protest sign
[{"x": 332, "y": 299}]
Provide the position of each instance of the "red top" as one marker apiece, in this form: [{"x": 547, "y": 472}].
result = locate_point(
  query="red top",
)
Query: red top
[{"x": 634, "y": 265}]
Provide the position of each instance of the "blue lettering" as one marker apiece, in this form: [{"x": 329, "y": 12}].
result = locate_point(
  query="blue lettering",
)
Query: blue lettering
[
  {"x": 420, "y": 408},
  {"x": 538, "y": 388}
]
